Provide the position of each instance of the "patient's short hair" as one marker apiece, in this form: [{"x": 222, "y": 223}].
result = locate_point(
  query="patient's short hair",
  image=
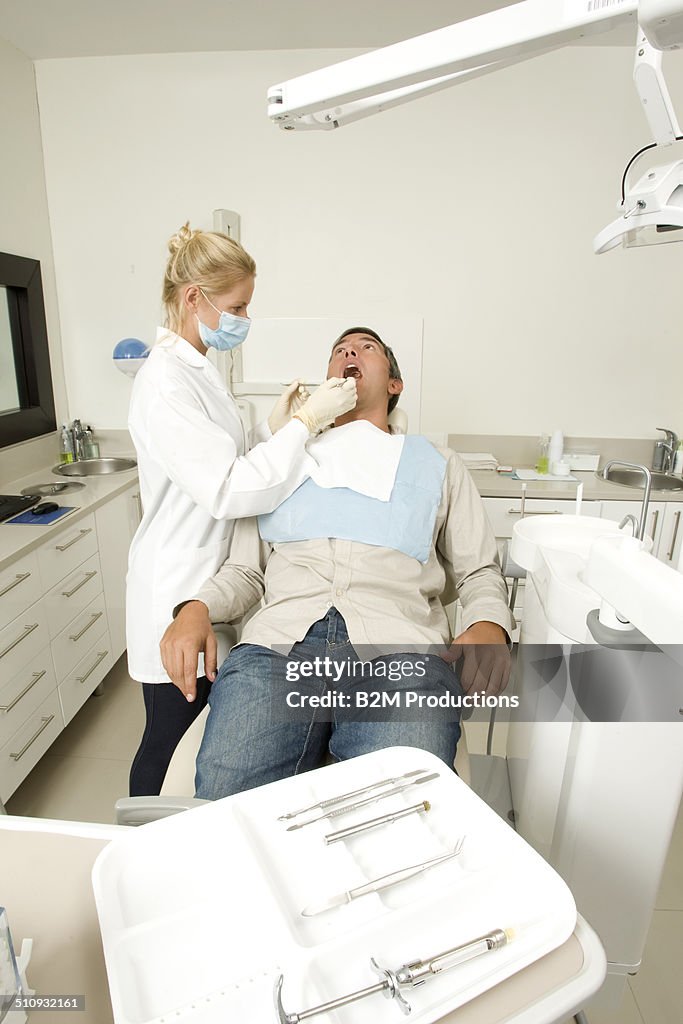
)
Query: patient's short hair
[{"x": 394, "y": 368}]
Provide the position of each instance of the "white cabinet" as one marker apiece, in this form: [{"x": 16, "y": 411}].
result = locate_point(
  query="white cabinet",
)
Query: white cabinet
[
  {"x": 56, "y": 605},
  {"x": 670, "y": 549},
  {"x": 117, "y": 522},
  {"x": 503, "y": 513},
  {"x": 19, "y": 587}
]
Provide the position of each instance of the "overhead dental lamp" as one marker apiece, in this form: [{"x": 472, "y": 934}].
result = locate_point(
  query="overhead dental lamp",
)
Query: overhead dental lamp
[{"x": 651, "y": 210}]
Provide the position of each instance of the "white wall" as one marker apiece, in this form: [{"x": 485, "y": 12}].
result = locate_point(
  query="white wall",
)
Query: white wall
[
  {"x": 474, "y": 209},
  {"x": 24, "y": 222}
]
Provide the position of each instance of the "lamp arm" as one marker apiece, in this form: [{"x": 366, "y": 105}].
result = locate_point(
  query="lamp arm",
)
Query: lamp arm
[
  {"x": 654, "y": 93},
  {"x": 337, "y": 117},
  {"x": 446, "y": 56}
]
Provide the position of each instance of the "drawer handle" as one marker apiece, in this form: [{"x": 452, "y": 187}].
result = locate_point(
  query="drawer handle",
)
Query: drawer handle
[
  {"x": 101, "y": 655},
  {"x": 80, "y": 536},
  {"x": 19, "y": 578},
  {"x": 518, "y": 512},
  {"x": 36, "y": 677},
  {"x": 93, "y": 620},
  {"x": 655, "y": 519},
  {"x": 45, "y": 723},
  {"x": 670, "y": 552},
  {"x": 87, "y": 578},
  {"x": 27, "y": 631},
  {"x": 138, "y": 502}
]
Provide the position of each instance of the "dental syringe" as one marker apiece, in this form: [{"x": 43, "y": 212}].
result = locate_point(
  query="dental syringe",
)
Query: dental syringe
[{"x": 410, "y": 975}]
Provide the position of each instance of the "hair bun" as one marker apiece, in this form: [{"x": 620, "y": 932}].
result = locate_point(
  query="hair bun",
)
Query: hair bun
[{"x": 181, "y": 238}]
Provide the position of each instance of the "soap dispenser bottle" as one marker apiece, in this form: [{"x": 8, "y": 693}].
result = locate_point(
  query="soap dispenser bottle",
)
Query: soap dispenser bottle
[
  {"x": 542, "y": 463},
  {"x": 555, "y": 449},
  {"x": 66, "y": 448}
]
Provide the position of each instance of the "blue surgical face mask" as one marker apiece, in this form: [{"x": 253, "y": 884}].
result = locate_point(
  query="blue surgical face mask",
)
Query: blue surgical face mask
[{"x": 231, "y": 331}]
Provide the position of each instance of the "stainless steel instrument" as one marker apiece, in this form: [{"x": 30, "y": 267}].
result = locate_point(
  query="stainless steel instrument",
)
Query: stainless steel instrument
[
  {"x": 410, "y": 975},
  {"x": 378, "y": 884},
  {"x": 372, "y": 799},
  {"x": 322, "y": 804},
  {"x": 385, "y": 819}
]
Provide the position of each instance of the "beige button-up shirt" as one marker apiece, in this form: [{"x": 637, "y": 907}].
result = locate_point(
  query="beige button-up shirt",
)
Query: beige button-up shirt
[{"x": 390, "y": 601}]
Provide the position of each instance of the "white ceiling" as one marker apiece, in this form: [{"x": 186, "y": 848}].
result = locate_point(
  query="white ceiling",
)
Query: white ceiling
[{"x": 90, "y": 28}]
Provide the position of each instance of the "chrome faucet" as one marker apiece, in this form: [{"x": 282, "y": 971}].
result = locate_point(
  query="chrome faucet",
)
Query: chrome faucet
[
  {"x": 667, "y": 449},
  {"x": 633, "y": 520},
  {"x": 646, "y": 493},
  {"x": 78, "y": 440}
]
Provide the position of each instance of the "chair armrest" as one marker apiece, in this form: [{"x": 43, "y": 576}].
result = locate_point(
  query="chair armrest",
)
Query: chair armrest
[{"x": 139, "y": 810}]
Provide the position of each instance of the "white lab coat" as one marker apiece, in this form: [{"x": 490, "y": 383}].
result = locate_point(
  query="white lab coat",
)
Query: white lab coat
[{"x": 194, "y": 480}]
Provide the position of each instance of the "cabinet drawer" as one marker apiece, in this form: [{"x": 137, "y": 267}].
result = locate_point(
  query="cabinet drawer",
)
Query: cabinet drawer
[
  {"x": 20, "y": 640},
  {"x": 78, "y": 637},
  {"x": 77, "y": 686},
  {"x": 20, "y": 697},
  {"x": 72, "y": 594},
  {"x": 23, "y": 751},
  {"x": 503, "y": 513},
  {"x": 66, "y": 550},
  {"x": 19, "y": 588}
]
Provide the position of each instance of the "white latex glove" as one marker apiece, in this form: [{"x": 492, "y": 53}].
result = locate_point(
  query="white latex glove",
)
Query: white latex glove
[
  {"x": 333, "y": 398},
  {"x": 289, "y": 402}
]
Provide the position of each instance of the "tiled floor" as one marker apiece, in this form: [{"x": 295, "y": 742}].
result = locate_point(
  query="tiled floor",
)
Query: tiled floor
[{"x": 87, "y": 768}]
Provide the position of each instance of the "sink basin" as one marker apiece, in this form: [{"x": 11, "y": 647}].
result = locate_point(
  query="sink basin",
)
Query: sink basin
[
  {"x": 631, "y": 478},
  {"x": 95, "y": 467}
]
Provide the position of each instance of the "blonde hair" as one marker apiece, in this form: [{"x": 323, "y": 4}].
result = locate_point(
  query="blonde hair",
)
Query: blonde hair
[{"x": 209, "y": 259}]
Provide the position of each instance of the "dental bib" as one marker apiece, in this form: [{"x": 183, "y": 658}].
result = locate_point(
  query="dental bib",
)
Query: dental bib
[
  {"x": 359, "y": 456},
  {"x": 403, "y": 523}
]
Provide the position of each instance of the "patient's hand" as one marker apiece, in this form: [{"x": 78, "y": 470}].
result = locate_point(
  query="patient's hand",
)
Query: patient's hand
[
  {"x": 486, "y": 658},
  {"x": 189, "y": 634}
]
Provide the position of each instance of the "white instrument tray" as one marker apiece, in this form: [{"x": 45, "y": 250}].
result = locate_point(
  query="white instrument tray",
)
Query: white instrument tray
[{"x": 201, "y": 912}]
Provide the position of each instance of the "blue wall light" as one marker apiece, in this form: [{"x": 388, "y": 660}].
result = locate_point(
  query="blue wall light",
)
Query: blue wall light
[{"x": 129, "y": 355}]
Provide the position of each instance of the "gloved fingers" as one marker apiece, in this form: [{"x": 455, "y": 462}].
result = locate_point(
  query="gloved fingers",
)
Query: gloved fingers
[
  {"x": 300, "y": 398},
  {"x": 291, "y": 390}
]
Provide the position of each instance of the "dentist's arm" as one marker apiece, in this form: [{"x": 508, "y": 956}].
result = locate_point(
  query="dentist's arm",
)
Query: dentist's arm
[{"x": 202, "y": 460}]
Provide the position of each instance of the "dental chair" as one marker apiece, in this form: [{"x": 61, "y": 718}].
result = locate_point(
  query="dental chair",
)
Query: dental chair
[{"x": 178, "y": 786}]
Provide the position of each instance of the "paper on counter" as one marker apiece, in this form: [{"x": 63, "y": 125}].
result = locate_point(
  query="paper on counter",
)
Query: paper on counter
[{"x": 531, "y": 474}]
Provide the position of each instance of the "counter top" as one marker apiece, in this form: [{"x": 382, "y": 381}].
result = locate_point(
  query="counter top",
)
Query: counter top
[
  {"x": 491, "y": 484},
  {"x": 19, "y": 540}
]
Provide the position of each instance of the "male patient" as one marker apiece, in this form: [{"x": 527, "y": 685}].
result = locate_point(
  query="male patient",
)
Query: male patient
[{"x": 354, "y": 566}]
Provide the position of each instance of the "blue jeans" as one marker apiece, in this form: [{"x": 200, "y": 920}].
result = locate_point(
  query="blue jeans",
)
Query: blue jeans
[{"x": 252, "y": 739}]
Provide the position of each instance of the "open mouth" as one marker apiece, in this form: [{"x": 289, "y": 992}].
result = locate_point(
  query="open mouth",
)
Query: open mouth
[{"x": 352, "y": 371}]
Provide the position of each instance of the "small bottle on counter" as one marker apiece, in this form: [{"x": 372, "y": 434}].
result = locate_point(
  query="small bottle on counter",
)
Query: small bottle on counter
[
  {"x": 90, "y": 445},
  {"x": 542, "y": 463},
  {"x": 66, "y": 447},
  {"x": 555, "y": 449}
]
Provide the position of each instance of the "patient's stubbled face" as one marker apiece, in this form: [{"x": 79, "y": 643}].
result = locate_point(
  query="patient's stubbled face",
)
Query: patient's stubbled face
[{"x": 361, "y": 356}]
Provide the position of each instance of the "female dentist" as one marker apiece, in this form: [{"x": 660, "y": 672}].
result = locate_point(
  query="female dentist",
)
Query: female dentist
[{"x": 195, "y": 474}]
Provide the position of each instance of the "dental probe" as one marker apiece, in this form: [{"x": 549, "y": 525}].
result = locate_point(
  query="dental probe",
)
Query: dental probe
[
  {"x": 372, "y": 799},
  {"x": 385, "y": 819},
  {"x": 322, "y": 804},
  {"x": 410, "y": 975}
]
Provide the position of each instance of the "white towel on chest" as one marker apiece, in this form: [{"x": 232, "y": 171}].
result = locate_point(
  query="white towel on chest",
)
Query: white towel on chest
[{"x": 359, "y": 456}]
